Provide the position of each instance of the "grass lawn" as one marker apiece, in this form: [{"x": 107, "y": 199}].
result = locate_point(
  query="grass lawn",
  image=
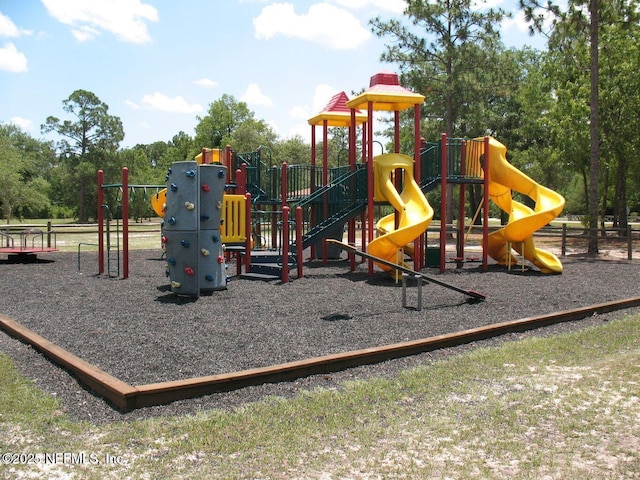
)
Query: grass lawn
[{"x": 560, "y": 407}]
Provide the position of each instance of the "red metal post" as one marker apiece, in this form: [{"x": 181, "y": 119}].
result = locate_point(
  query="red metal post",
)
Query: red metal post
[
  {"x": 485, "y": 207},
  {"x": 100, "y": 223},
  {"x": 312, "y": 186},
  {"x": 125, "y": 222},
  {"x": 370, "y": 179},
  {"x": 418, "y": 244},
  {"x": 461, "y": 205},
  {"x": 239, "y": 190},
  {"x": 299, "y": 251},
  {"x": 247, "y": 241},
  {"x": 443, "y": 200},
  {"x": 365, "y": 215},
  {"x": 283, "y": 184},
  {"x": 325, "y": 181},
  {"x": 285, "y": 244},
  {"x": 351, "y": 228}
]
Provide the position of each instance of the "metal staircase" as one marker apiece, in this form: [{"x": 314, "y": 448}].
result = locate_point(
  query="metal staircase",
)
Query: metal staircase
[{"x": 337, "y": 203}]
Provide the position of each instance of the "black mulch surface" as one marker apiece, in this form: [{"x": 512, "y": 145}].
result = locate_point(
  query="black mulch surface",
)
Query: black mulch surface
[{"x": 139, "y": 332}]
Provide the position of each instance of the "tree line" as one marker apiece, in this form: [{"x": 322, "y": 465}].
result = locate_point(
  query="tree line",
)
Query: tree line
[{"x": 539, "y": 103}]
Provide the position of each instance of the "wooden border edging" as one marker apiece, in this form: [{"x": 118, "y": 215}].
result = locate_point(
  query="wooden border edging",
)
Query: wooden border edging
[
  {"x": 105, "y": 385},
  {"x": 127, "y": 397}
]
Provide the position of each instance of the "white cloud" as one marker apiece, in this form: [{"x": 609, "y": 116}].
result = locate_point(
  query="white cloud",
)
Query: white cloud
[
  {"x": 126, "y": 19},
  {"x": 131, "y": 104},
  {"x": 302, "y": 130},
  {"x": 324, "y": 24},
  {"x": 321, "y": 96},
  {"x": 11, "y": 60},
  {"x": 159, "y": 101},
  {"x": 518, "y": 22},
  {"x": 254, "y": 96},
  {"x": 298, "y": 112},
  {"x": 394, "y": 6},
  {"x": 85, "y": 33},
  {"x": 23, "y": 123},
  {"x": 206, "y": 83},
  {"x": 9, "y": 29},
  {"x": 275, "y": 126}
]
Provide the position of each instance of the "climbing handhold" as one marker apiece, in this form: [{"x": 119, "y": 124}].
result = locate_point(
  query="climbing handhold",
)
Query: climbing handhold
[
  {"x": 175, "y": 284},
  {"x": 185, "y": 243},
  {"x": 172, "y": 220},
  {"x": 189, "y": 205},
  {"x": 205, "y": 252},
  {"x": 220, "y": 259},
  {"x": 189, "y": 271},
  {"x": 215, "y": 238},
  {"x": 208, "y": 277},
  {"x": 190, "y": 173},
  {"x": 205, "y": 188},
  {"x": 221, "y": 174},
  {"x": 204, "y": 218},
  {"x": 171, "y": 261},
  {"x": 219, "y": 205},
  {"x": 164, "y": 239},
  {"x": 173, "y": 187}
]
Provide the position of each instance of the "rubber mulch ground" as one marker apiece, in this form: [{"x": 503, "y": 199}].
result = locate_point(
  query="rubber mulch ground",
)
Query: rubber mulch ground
[{"x": 139, "y": 332}]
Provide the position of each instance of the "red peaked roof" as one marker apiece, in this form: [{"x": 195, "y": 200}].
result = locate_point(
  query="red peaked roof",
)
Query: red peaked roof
[
  {"x": 386, "y": 93},
  {"x": 336, "y": 113}
]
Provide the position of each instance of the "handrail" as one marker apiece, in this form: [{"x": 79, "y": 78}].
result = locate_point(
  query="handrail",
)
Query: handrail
[
  {"x": 84, "y": 243},
  {"x": 332, "y": 186},
  {"x": 8, "y": 239}
]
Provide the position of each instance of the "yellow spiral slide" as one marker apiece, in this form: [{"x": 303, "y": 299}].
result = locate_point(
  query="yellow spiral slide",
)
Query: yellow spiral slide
[
  {"x": 413, "y": 212},
  {"x": 523, "y": 221}
]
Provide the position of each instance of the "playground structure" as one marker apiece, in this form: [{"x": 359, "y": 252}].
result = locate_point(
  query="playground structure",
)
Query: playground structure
[
  {"x": 272, "y": 213},
  {"x": 340, "y": 196}
]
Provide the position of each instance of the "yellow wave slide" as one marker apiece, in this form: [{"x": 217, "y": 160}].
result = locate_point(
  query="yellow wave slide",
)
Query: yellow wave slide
[
  {"x": 523, "y": 221},
  {"x": 413, "y": 212}
]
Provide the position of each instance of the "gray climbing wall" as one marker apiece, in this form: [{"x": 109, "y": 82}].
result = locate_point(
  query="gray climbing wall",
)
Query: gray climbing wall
[{"x": 192, "y": 240}]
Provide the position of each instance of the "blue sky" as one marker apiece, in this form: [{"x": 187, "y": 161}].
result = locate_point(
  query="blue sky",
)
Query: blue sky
[{"x": 158, "y": 64}]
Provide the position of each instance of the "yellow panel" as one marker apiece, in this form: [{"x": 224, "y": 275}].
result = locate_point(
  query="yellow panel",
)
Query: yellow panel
[
  {"x": 210, "y": 153},
  {"x": 234, "y": 215}
]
